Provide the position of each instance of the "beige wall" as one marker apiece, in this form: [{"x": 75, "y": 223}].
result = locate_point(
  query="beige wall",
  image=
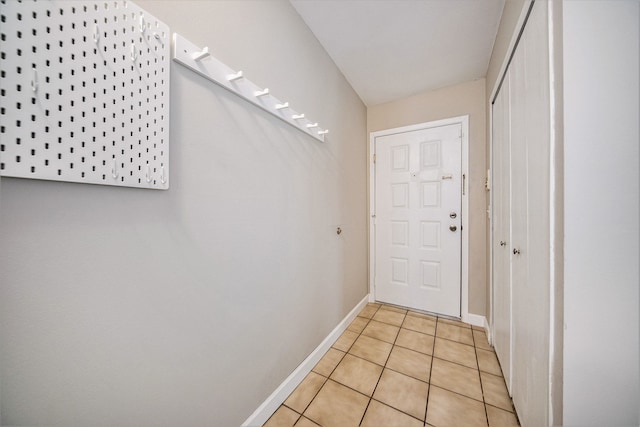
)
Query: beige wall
[{"x": 466, "y": 98}]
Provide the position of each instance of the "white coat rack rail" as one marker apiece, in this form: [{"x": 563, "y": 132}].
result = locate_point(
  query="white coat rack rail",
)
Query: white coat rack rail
[{"x": 201, "y": 61}]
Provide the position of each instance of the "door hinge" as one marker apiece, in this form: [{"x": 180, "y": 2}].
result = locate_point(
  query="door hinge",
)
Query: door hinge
[{"x": 374, "y": 158}]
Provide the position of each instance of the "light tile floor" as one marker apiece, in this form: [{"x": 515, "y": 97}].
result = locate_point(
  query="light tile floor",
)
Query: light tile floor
[{"x": 397, "y": 367}]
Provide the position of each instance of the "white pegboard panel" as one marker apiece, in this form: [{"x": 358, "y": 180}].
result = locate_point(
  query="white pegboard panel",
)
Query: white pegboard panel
[{"x": 84, "y": 93}]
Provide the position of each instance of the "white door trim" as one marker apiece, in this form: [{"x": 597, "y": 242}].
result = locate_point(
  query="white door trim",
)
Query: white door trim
[{"x": 464, "y": 269}]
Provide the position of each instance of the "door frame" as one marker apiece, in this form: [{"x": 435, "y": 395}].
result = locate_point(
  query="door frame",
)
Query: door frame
[{"x": 464, "y": 267}]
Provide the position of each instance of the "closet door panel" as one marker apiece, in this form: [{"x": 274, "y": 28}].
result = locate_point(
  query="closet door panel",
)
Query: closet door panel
[
  {"x": 501, "y": 228},
  {"x": 518, "y": 241},
  {"x": 530, "y": 220}
]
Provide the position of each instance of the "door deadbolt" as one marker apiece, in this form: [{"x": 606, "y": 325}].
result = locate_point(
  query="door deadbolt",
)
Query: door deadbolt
[
  {"x": 453, "y": 215},
  {"x": 453, "y": 228}
]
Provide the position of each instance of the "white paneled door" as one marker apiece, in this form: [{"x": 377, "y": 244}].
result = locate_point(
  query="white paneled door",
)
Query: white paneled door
[{"x": 418, "y": 219}]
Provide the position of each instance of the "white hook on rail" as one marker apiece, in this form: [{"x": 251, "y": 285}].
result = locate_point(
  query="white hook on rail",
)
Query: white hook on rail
[
  {"x": 34, "y": 80},
  {"x": 323, "y": 132},
  {"x": 134, "y": 53},
  {"x": 96, "y": 33},
  {"x": 147, "y": 174},
  {"x": 234, "y": 77},
  {"x": 114, "y": 170},
  {"x": 143, "y": 24},
  {"x": 239, "y": 84},
  {"x": 198, "y": 56},
  {"x": 163, "y": 179}
]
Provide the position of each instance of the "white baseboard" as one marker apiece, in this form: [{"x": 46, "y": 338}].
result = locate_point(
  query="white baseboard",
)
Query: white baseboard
[
  {"x": 476, "y": 320},
  {"x": 273, "y": 402}
]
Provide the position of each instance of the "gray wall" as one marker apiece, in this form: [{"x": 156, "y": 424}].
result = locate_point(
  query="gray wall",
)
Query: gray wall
[
  {"x": 128, "y": 307},
  {"x": 601, "y": 208}
]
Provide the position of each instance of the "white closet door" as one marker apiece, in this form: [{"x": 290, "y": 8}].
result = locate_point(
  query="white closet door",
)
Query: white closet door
[
  {"x": 530, "y": 194},
  {"x": 501, "y": 230}
]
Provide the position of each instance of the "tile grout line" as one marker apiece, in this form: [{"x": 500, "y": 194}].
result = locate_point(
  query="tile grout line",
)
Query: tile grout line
[
  {"x": 386, "y": 367},
  {"x": 347, "y": 352},
  {"x": 433, "y": 354},
  {"x": 327, "y": 378},
  {"x": 406, "y": 314},
  {"x": 383, "y": 368},
  {"x": 484, "y": 403},
  {"x": 412, "y": 377},
  {"x": 504, "y": 381},
  {"x": 314, "y": 396},
  {"x": 458, "y": 364},
  {"x": 345, "y": 355},
  {"x": 374, "y": 389}
]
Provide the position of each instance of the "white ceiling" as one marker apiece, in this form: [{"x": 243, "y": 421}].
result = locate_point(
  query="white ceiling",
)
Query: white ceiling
[{"x": 391, "y": 49}]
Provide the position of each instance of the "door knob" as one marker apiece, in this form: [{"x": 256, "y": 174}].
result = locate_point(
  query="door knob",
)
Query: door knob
[
  {"x": 453, "y": 228},
  {"x": 516, "y": 251},
  {"x": 503, "y": 243}
]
